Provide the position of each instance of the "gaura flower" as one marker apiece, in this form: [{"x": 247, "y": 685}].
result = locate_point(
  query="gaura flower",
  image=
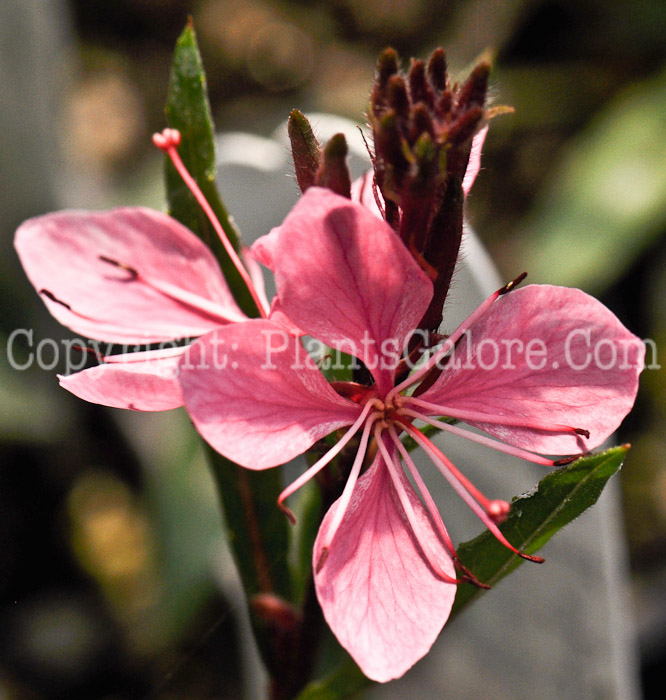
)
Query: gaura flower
[
  {"x": 130, "y": 276},
  {"x": 384, "y": 562}
]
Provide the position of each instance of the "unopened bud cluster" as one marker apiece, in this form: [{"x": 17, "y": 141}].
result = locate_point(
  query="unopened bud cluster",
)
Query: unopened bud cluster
[{"x": 422, "y": 127}]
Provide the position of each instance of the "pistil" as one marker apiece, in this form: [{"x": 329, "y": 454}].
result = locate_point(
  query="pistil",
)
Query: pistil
[{"x": 168, "y": 141}]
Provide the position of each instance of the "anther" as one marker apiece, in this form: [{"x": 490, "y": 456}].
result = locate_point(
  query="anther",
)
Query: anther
[
  {"x": 322, "y": 559},
  {"x": 90, "y": 351},
  {"x": 122, "y": 266},
  {"x": 531, "y": 557},
  {"x": 583, "y": 432},
  {"x": 513, "y": 284},
  {"x": 568, "y": 460},
  {"x": 53, "y": 297},
  {"x": 469, "y": 578}
]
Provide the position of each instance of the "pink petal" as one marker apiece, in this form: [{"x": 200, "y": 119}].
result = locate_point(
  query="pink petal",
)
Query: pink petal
[
  {"x": 344, "y": 277},
  {"x": 262, "y": 249},
  {"x": 61, "y": 254},
  {"x": 474, "y": 164},
  {"x": 278, "y": 316},
  {"x": 257, "y": 397},
  {"x": 145, "y": 381},
  {"x": 363, "y": 192},
  {"x": 257, "y": 277},
  {"x": 378, "y": 594},
  {"x": 563, "y": 358}
]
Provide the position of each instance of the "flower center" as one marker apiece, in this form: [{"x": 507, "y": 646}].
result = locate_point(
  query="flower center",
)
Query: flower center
[{"x": 384, "y": 412}]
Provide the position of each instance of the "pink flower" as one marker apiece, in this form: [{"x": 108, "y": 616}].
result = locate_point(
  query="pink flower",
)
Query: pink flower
[
  {"x": 131, "y": 276},
  {"x": 134, "y": 276},
  {"x": 566, "y": 376}
]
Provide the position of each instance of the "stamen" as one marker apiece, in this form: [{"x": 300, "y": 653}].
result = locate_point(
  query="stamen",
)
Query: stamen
[
  {"x": 168, "y": 141},
  {"x": 454, "y": 337},
  {"x": 408, "y": 508},
  {"x": 322, "y": 462},
  {"x": 482, "y": 439},
  {"x": 461, "y": 481},
  {"x": 429, "y": 502},
  {"x": 90, "y": 351},
  {"x": 133, "y": 273},
  {"x": 568, "y": 460},
  {"x": 179, "y": 294},
  {"x": 509, "y": 421},
  {"x": 479, "y": 504},
  {"x": 344, "y": 499},
  {"x": 423, "y": 490},
  {"x": 55, "y": 299},
  {"x": 513, "y": 284}
]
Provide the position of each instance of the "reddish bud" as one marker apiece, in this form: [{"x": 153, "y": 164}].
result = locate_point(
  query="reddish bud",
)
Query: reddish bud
[
  {"x": 333, "y": 172},
  {"x": 275, "y": 612},
  {"x": 419, "y": 90},
  {"x": 397, "y": 96},
  {"x": 437, "y": 70},
  {"x": 305, "y": 149}
]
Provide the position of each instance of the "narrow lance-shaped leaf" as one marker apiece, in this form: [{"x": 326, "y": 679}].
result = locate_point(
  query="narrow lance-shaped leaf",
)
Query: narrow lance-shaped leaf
[
  {"x": 188, "y": 110},
  {"x": 258, "y": 536},
  {"x": 559, "y": 498},
  {"x": 257, "y": 530}
]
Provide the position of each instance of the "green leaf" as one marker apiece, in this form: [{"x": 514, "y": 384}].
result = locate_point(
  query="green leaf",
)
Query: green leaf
[
  {"x": 188, "y": 110},
  {"x": 258, "y": 530},
  {"x": 346, "y": 682},
  {"x": 535, "y": 517}
]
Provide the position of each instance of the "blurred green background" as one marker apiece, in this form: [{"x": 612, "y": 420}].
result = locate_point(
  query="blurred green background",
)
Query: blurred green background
[{"x": 97, "y": 525}]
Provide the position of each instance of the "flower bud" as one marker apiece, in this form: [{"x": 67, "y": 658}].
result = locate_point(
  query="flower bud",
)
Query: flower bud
[
  {"x": 305, "y": 149},
  {"x": 333, "y": 171},
  {"x": 423, "y": 130}
]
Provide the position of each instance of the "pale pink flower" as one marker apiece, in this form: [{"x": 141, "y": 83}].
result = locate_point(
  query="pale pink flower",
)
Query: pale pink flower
[
  {"x": 134, "y": 276},
  {"x": 130, "y": 276},
  {"x": 384, "y": 563}
]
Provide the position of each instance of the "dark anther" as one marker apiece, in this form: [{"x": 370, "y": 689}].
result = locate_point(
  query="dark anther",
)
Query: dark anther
[
  {"x": 531, "y": 557},
  {"x": 53, "y": 297},
  {"x": 566, "y": 460},
  {"x": 513, "y": 284},
  {"x": 322, "y": 559},
  {"x": 90, "y": 351},
  {"x": 122, "y": 266}
]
